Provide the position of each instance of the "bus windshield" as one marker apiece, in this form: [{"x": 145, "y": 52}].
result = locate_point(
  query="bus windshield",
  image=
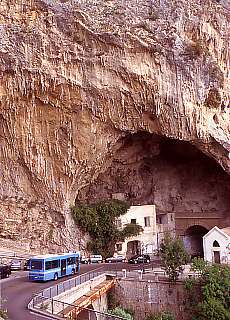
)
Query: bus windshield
[{"x": 36, "y": 265}]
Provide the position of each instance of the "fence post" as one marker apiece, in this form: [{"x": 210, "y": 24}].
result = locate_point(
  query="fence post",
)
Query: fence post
[
  {"x": 52, "y": 306},
  {"x": 50, "y": 292}
]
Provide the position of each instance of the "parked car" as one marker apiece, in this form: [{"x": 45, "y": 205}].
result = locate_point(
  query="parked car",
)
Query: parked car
[
  {"x": 118, "y": 258},
  {"x": 16, "y": 265},
  {"x": 5, "y": 271},
  {"x": 144, "y": 258},
  {"x": 84, "y": 260},
  {"x": 95, "y": 258},
  {"x": 26, "y": 266}
]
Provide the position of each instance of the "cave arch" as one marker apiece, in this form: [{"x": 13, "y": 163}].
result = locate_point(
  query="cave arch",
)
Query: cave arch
[
  {"x": 174, "y": 175},
  {"x": 193, "y": 240}
]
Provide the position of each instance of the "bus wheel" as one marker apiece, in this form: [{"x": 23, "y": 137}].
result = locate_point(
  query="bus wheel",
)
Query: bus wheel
[{"x": 55, "y": 277}]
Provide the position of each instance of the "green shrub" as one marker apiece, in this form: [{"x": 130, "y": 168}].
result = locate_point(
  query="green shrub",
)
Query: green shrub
[
  {"x": 99, "y": 221},
  {"x": 120, "y": 312},
  {"x": 212, "y": 300}
]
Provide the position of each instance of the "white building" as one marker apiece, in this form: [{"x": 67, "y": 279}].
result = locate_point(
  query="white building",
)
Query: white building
[
  {"x": 154, "y": 227},
  {"x": 216, "y": 245}
]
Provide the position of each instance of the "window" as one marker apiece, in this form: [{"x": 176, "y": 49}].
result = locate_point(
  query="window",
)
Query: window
[
  {"x": 71, "y": 260},
  {"x": 36, "y": 265},
  {"x": 215, "y": 244},
  {"x": 52, "y": 264},
  {"x": 147, "y": 221},
  {"x": 133, "y": 221},
  {"x": 159, "y": 220},
  {"x": 119, "y": 246}
]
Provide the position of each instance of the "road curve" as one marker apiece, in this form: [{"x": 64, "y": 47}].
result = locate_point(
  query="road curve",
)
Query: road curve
[{"x": 18, "y": 290}]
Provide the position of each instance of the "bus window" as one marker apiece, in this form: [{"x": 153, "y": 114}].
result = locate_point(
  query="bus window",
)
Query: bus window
[
  {"x": 71, "y": 260},
  {"x": 52, "y": 264},
  {"x": 36, "y": 265}
]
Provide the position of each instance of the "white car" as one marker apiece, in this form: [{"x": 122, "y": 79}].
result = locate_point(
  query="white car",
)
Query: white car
[
  {"x": 16, "y": 265},
  {"x": 118, "y": 258},
  {"x": 84, "y": 260},
  {"x": 95, "y": 258}
]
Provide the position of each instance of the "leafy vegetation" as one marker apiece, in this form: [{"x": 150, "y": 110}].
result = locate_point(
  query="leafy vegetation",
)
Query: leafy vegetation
[
  {"x": 209, "y": 295},
  {"x": 161, "y": 316},
  {"x": 3, "y": 314},
  {"x": 99, "y": 220},
  {"x": 173, "y": 256},
  {"x": 120, "y": 312}
]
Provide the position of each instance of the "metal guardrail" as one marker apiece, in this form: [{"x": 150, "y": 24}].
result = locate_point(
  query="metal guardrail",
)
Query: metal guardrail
[
  {"x": 14, "y": 255},
  {"x": 63, "y": 286},
  {"x": 46, "y": 297},
  {"x": 76, "y": 311}
]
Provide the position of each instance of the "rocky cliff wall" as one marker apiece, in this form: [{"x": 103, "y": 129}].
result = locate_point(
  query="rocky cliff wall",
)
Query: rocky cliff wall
[{"x": 79, "y": 76}]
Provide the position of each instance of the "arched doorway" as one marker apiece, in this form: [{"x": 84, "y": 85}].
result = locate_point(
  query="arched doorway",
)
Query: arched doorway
[
  {"x": 193, "y": 240},
  {"x": 216, "y": 252},
  {"x": 133, "y": 248}
]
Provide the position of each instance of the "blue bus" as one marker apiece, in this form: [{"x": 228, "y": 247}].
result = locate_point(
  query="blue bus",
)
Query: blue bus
[{"x": 53, "y": 266}]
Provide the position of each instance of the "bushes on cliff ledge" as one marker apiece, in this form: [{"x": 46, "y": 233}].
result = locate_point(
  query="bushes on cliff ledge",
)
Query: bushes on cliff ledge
[{"x": 99, "y": 220}]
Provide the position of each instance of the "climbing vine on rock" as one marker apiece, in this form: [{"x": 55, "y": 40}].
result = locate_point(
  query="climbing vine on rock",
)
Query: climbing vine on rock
[{"x": 99, "y": 220}]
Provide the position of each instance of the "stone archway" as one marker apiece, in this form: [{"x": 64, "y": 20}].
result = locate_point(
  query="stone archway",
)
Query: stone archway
[
  {"x": 133, "y": 248},
  {"x": 193, "y": 240}
]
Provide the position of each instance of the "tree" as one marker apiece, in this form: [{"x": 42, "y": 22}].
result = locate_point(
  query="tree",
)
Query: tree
[
  {"x": 130, "y": 229},
  {"x": 212, "y": 292},
  {"x": 173, "y": 256},
  {"x": 99, "y": 221}
]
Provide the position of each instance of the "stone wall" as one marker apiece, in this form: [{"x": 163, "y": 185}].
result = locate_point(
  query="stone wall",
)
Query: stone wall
[{"x": 148, "y": 296}]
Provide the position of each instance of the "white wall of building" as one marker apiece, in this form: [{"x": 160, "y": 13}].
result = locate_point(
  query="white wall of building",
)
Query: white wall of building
[
  {"x": 216, "y": 234},
  {"x": 148, "y": 238}
]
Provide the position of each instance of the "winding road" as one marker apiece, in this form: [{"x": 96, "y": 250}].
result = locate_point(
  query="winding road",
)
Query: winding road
[{"x": 17, "y": 291}]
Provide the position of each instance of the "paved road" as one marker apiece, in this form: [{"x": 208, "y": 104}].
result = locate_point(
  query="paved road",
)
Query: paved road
[{"x": 18, "y": 290}]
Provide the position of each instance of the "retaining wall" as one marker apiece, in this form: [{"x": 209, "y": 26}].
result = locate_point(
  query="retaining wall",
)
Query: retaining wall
[{"x": 146, "y": 296}]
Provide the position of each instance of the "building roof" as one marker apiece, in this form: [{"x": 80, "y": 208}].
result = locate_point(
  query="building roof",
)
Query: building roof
[{"x": 226, "y": 230}]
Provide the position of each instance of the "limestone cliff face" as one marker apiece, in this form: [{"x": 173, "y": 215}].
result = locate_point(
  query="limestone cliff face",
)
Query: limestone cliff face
[{"x": 77, "y": 77}]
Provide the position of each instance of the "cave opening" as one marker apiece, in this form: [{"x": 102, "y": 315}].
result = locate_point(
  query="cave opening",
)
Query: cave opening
[
  {"x": 193, "y": 240},
  {"x": 174, "y": 175}
]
